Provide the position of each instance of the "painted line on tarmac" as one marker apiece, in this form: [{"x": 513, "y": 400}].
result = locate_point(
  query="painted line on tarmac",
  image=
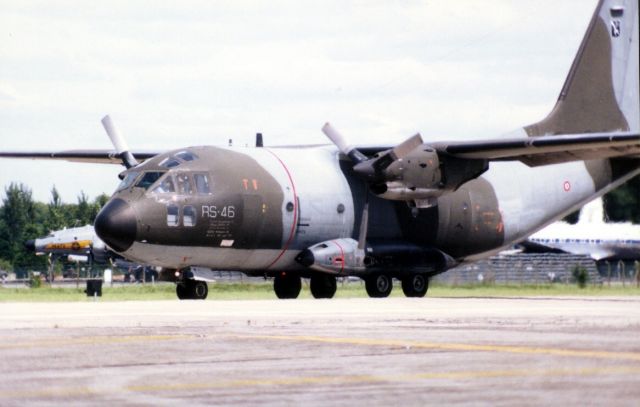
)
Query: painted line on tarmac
[
  {"x": 65, "y": 392},
  {"x": 577, "y": 353},
  {"x": 94, "y": 340}
]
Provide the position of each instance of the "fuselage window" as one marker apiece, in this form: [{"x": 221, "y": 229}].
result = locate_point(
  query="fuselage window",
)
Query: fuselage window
[
  {"x": 166, "y": 186},
  {"x": 148, "y": 179},
  {"x": 128, "y": 180},
  {"x": 173, "y": 215},
  {"x": 188, "y": 216},
  {"x": 169, "y": 162},
  {"x": 184, "y": 184},
  {"x": 202, "y": 184},
  {"x": 186, "y": 156}
]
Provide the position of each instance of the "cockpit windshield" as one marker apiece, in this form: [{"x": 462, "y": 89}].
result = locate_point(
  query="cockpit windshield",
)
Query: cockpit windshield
[
  {"x": 166, "y": 185},
  {"x": 183, "y": 183},
  {"x": 128, "y": 180},
  {"x": 148, "y": 179}
]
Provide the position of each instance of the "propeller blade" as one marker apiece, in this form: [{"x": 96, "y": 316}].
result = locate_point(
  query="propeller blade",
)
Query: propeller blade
[
  {"x": 122, "y": 149},
  {"x": 374, "y": 168},
  {"x": 407, "y": 146},
  {"x": 342, "y": 145},
  {"x": 364, "y": 225}
]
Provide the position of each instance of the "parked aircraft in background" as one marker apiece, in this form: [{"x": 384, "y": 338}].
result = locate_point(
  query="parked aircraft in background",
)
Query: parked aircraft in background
[
  {"x": 80, "y": 242},
  {"x": 407, "y": 212},
  {"x": 590, "y": 236}
]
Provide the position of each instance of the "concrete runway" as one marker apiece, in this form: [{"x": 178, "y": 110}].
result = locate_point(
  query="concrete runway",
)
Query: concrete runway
[{"x": 395, "y": 351}]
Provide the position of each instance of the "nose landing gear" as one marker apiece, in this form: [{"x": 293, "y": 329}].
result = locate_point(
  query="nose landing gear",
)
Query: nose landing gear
[{"x": 192, "y": 290}]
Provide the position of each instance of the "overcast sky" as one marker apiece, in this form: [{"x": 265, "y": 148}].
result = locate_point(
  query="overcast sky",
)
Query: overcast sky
[{"x": 176, "y": 73}]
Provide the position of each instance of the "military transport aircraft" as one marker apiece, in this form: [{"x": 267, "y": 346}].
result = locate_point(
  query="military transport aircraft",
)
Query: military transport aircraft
[{"x": 406, "y": 212}]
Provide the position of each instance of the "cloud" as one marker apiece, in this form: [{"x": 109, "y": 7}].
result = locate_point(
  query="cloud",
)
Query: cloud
[{"x": 173, "y": 75}]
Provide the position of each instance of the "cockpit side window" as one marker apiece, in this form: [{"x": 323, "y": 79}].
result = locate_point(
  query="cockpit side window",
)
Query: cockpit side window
[
  {"x": 202, "y": 184},
  {"x": 148, "y": 179},
  {"x": 128, "y": 180},
  {"x": 184, "y": 184},
  {"x": 166, "y": 185}
]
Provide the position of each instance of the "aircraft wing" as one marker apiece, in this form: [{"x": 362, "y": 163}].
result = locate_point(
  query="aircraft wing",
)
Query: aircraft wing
[
  {"x": 543, "y": 150},
  {"x": 82, "y": 156}
]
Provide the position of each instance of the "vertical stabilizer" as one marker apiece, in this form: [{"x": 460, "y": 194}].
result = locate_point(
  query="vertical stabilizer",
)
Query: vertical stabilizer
[{"x": 601, "y": 92}]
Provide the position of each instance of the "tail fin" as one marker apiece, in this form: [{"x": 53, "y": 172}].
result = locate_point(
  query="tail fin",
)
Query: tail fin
[{"x": 601, "y": 92}]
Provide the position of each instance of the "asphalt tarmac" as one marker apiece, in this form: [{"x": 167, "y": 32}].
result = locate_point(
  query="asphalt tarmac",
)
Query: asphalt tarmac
[{"x": 395, "y": 351}]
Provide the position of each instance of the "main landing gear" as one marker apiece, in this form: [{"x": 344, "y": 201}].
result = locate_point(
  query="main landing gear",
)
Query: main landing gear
[
  {"x": 192, "y": 290},
  {"x": 323, "y": 286},
  {"x": 415, "y": 285},
  {"x": 287, "y": 286},
  {"x": 380, "y": 285}
]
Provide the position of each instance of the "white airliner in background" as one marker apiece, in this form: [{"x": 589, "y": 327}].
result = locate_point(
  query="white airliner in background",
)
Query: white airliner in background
[{"x": 590, "y": 236}]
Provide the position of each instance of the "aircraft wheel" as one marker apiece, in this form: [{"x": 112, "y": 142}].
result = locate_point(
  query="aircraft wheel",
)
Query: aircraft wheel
[
  {"x": 323, "y": 286},
  {"x": 415, "y": 285},
  {"x": 192, "y": 290},
  {"x": 287, "y": 286},
  {"x": 379, "y": 285},
  {"x": 182, "y": 292},
  {"x": 200, "y": 290}
]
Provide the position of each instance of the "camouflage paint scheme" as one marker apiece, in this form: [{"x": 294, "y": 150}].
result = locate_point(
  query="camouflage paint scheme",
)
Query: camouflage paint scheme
[
  {"x": 286, "y": 200},
  {"x": 466, "y": 200}
]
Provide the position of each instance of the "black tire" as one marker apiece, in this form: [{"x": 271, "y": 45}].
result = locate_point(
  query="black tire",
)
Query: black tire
[
  {"x": 379, "y": 285},
  {"x": 287, "y": 287},
  {"x": 182, "y": 291},
  {"x": 323, "y": 286},
  {"x": 192, "y": 290},
  {"x": 415, "y": 285}
]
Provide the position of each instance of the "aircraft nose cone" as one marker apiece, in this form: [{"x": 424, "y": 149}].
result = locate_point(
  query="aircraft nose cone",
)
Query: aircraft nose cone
[
  {"x": 30, "y": 245},
  {"x": 116, "y": 225}
]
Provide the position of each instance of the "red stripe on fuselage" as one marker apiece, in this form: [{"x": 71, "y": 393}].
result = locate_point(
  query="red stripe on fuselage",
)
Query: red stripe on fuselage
[
  {"x": 295, "y": 209},
  {"x": 341, "y": 256}
]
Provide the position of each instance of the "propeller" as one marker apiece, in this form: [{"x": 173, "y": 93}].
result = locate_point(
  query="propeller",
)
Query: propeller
[
  {"x": 337, "y": 139},
  {"x": 372, "y": 169},
  {"x": 122, "y": 149}
]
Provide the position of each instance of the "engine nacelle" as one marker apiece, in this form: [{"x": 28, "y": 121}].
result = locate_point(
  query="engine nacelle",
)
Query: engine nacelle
[
  {"x": 420, "y": 169},
  {"x": 423, "y": 176}
]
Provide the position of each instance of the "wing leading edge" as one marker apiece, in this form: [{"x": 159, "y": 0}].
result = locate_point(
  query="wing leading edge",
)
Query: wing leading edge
[
  {"x": 82, "y": 156},
  {"x": 533, "y": 151},
  {"x": 543, "y": 150}
]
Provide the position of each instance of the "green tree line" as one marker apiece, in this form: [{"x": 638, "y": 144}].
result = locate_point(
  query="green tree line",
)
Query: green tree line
[{"x": 21, "y": 219}]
